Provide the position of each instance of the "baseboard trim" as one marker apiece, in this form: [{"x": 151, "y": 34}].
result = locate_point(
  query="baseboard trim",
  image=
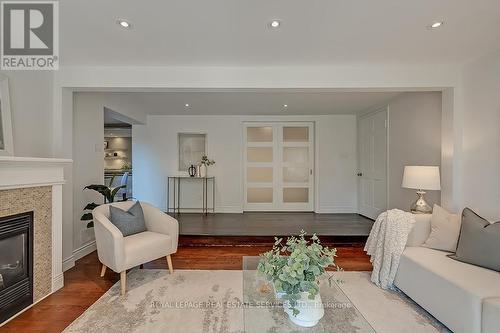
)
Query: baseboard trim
[
  {"x": 229, "y": 209},
  {"x": 68, "y": 263},
  {"x": 222, "y": 210},
  {"x": 337, "y": 210},
  {"x": 81, "y": 252},
  {"x": 57, "y": 282}
]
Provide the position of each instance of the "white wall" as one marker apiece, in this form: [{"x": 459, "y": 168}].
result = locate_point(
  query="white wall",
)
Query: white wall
[
  {"x": 481, "y": 137},
  {"x": 31, "y": 105},
  {"x": 86, "y": 135},
  {"x": 155, "y": 157},
  {"x": 414, "y": 138},
  {"x": 88, "y": 162}
]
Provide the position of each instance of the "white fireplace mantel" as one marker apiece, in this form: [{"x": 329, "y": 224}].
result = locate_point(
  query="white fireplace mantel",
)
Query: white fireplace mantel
[
  {"x": 23, "y": 172},
  {"x": 19, "y": 172}
]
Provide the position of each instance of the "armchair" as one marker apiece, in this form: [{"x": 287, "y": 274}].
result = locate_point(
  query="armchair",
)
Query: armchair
[{"x": 120, "y": 253}]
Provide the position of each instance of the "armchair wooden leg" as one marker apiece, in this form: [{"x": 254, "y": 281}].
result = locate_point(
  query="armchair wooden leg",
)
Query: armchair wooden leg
[
  {"x": 103, "y": 270},
  {"x": 123, "y": 282},
  {"x": 170, "y": 266}
]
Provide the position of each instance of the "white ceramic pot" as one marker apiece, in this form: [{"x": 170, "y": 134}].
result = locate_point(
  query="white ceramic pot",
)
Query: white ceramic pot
[
  {"x": 311, "y": 310},
  {"x": 203, "y": 170}
]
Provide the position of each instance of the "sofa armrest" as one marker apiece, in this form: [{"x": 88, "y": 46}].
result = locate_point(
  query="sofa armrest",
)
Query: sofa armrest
[
  {"x": 160, "y": 222},
  {"x": 490, "y": 315},
  {"x": 421, "y": 230},
  {"x": 109, "y": 240}
]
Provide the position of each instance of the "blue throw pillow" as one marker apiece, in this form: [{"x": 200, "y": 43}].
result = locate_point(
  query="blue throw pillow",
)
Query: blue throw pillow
[{"x": 129, "y": 222}]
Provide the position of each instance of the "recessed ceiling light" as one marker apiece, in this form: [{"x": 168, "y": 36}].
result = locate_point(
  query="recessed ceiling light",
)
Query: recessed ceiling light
[
  {"x": 436, "y": 24},
  {"x": 285, "y": 105},
  {"x": 275, "y": 23},
  {"x": 186, "y": 105},
  {"x": 124, "y": 23}
]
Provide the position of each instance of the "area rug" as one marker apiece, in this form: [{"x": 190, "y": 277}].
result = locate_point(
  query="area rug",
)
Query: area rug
[{"x": 211, "y": 301}]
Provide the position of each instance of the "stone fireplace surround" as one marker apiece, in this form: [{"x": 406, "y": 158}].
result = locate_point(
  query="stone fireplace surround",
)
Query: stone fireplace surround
[{"x": 35, "y": 184}]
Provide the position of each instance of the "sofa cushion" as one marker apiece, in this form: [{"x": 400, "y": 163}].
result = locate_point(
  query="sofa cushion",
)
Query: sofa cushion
[
  {"x": 146, "y": 246},
  {"x": 450, "y": 290},
  {"x": 479, "y": 242},
  {"x": 420, "y": 231},
  {"x": 445, "y": 228}
]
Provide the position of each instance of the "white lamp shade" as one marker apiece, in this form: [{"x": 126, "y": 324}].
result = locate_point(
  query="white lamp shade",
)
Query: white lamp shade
[{"x": 422, "y": 178}]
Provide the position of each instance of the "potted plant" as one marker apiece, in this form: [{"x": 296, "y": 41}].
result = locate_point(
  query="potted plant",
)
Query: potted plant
[
  {"x": 107, "y": 192},
  {"x": 204, "y": 163},
  {"x": 294, "y": 268}
]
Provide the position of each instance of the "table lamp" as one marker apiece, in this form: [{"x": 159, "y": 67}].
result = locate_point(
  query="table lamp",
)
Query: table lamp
[{"x": 421, "y": 178}]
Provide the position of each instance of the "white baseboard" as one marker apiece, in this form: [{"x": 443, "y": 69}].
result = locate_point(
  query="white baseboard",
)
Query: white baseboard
[
  {"x": 57, "y": 282},
  {"x": 337, "y": 210},
  {"x": 68, "y": 263},
  {"x": 81, "y": 252},
  {"x": 229, "y": 209},
  {"x": 221, "y": 209}
]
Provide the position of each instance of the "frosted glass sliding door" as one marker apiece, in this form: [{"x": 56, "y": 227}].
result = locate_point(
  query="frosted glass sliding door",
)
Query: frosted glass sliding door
[{"x": 278, "y": 163}]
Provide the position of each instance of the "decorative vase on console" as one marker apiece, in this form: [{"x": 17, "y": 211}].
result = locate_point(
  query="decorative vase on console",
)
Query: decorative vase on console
[
  {"x": 192, "y": 171},
  {"x": 204, "y": 163},
  {"x": 203, "y": 170}
]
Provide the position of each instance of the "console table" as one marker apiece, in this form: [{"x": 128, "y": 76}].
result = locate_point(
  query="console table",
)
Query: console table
[{"x": 176, "y": 185}]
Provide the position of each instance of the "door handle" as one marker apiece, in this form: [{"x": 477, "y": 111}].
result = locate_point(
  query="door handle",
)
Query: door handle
[{"x": 360, "y": 174}]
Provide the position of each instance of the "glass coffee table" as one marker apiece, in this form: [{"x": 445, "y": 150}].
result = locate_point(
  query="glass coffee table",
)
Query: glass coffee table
[{"x": 263, "y": 312}]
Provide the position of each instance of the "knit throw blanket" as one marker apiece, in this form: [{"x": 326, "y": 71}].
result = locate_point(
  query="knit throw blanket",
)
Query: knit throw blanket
[{"x": 386, "y": 243}]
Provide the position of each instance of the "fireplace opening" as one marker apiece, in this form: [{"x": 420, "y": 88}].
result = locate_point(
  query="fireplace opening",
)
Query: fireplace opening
[{"x": 16, "y": 264}]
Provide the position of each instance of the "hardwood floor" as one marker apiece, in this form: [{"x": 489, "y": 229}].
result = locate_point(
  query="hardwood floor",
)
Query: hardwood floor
[{"x": 83, "y": 284}]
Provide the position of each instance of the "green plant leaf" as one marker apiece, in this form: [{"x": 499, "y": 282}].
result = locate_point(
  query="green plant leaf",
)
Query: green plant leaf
[
  {"x": 86, "y": 217},
  {"x": 102, "y": 189},
  {"x": 91, "y": 206}
]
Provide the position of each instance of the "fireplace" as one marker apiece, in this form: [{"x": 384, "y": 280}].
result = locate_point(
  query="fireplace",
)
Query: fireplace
[{"x": 16, "y": 264}]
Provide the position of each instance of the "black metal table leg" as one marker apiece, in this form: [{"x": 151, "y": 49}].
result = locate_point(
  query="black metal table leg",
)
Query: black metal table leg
[{"x": 178, "y": 195}]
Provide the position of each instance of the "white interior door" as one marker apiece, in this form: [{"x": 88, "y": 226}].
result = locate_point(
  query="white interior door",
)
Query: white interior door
[
  {"x": 278, "y": 163},
  {"x": 372, "y": 174}
]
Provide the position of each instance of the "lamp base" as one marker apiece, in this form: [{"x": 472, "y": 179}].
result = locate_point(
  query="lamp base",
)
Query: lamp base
[{"x": 420, "y": 206}]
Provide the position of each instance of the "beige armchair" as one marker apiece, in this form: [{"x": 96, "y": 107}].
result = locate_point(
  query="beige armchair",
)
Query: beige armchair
[{"x": 121, "y": 253}]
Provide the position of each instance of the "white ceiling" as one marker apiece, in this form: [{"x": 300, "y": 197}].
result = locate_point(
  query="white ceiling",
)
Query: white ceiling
[
  {"x": 264, "y": 102},
  {"x": 235, "y": 32}
]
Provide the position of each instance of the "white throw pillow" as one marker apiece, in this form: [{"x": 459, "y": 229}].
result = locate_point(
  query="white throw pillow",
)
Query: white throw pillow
[{"x": 445, "y": 229}]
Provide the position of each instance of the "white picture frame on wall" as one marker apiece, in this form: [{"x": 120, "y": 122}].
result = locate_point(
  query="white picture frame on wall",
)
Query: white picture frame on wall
[
  {"x": 191, "y": 148},
  {"x": 6, "y": 139}
]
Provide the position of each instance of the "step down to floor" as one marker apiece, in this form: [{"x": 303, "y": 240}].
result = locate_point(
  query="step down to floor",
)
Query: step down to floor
[{"x": 194, "y": 241}]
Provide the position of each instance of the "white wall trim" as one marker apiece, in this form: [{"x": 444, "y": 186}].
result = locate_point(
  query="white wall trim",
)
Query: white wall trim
[
  {"x": 68, "y": 263},
  {"x": 78, "y": 253},
  {"x": 337, "y": 210},
  {"x": 57, "y": 273},
  {"x": 229, "y": 209},
  {"x": 57, "y": 282},
  {"x": 82, "y": 251}
]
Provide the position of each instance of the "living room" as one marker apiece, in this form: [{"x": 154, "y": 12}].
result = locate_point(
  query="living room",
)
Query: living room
[{"x": 303, "y": 128}]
